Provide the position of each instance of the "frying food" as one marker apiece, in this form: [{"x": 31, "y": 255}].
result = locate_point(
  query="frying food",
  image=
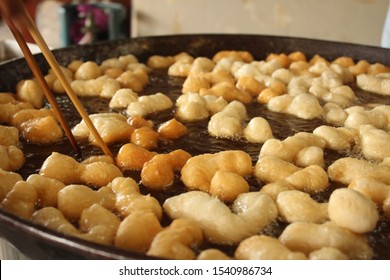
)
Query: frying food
[{"x": 244, "y": 189}]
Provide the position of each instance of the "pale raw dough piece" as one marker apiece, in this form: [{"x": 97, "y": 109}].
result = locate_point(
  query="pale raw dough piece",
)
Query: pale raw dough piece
[
  {"x": 352, "y": 210},
  {"x": 376, "y": 191},
  {"x": 289, "y": 148},
  {"x": 148, "y": 104},
  {"x": 258, "y": 130},
  {"x": 228, "y": 122},
  {"x": 7, "y": 181},
  {"x": 30, "y": 91},
  {"x": 309, "y": 237},
  {"x": 375, "y": 143},
  {"x": 297, "y": 206},
  {"x": 262, "y": 247},
  {"x": 250, "y": 213},
  {"x": 378, "y": 84},
  {"x": 191, "y": 107},
  {"x": 112, "y": 128},
  {"x": 346, "y": 170},
  {"x": 199, "y": 170},
  {"x": 9, "y": 136},
  {"x": 11, "y": 158},
  {"x": 177, "y": 240},
  {"x": 122, "y": 98},
  {"x": 337, "y": 138},
  {"x": 100, "y": 87}
]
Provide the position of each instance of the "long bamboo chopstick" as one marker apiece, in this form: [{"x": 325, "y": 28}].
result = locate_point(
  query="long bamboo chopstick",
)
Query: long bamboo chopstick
[
  {"x": 36, "y": 35},
  {"x": 42, "y": 82}
]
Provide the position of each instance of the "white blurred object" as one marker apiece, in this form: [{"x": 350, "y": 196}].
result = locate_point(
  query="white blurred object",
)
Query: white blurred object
[
  {"x": 353, "y": 21},
  {"x": 385, "y": 41},
  {"x": 10, "y": 49}
]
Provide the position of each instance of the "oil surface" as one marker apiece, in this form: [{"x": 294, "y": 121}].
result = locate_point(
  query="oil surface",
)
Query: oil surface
[{"x": 198, "y": 141}]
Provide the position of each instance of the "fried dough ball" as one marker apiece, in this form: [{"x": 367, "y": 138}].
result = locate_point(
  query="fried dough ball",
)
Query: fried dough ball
[
  {"x": 361, "y": 67},
  {"x": 348, "y": 169},
  {"x": 44, "y": 130},
  {"x": 11, "y": 158},
  {"x": 157, "y": 173},
  {"x": 353, "y": 210},
  {"x": 312, "y": 155},
  {"x": 62, "y": 168},
  {"x": 73, "y": 199},
  {"x": 337, "y": 138},
  {"x": 122, "y": 98},
  {"x": 201, "y": 65},
  {"x": 172, "y": 129},
  {"x": 138, "y": 122},
  {"x": 102, "y": 86},
  {"x": 375, "y": 143},
  {"x": 47, "y": 189},
  {"x": 327, "y": 253},
  {"x": 304, "y": 106},
  {"x": 30, "y": 91},
  {"x": 179, "y": 158},
  {"x": 334, "y": 114},
  {"x": 112, "y": 128},
  {"x": 378, "y": 84},
  {"x": 250, "y": 213},
  {"x": 234, "y": 55},
  {"x": 376, "y": 191},
  {"x": 7, "y": 181},
  {"x": 53, "y": 218},
  {"x": 145, "y": 137},
  {"x": 386, "y": 207},
  {"x": 212, "y": 254},
  {"x": 298, "y": 206},
  {"x": 228, "y": 91},
  {"x": 89, "y": 70},
  {"x": 20, "y": 200},
  {"x": 9, "y": 109},
  {"x": 258, "y": 130},
  {"x": 98, "y": 224},
  {"x": 199, "y": 170},
  {"x": 227, "y": 123},
  {"x": 194, "y": 83},
  {"x": 148, "y": 104},
  {"x": 274, "y": 189},
  {"x": 262, "y": 247},
  {"x": 38, "y": 126},
  {"x": 309, "y": 237},
  {"x": 271, "y": 169},
  {"x": 310, "y": 179},
  {"x": 128, "y": 198},
  {"x": 289, "y": 148},
  {"x": 191, "y": 107},
  {"x": 177, "y": 240},
  {"x": 133, "y": 157},
  {"x": 377, "y": 117},
  {"x": 227, "y": 186},
  {"x": 9, "y": 136},
  {"x": 160, "y": 62},
  {"x": 133, "y": 79},
  {"x": 99, "y": 173},
  {"x": 137, "y": 231}
]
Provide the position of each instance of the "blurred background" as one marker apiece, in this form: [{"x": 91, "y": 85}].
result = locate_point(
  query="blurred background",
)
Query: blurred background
[{"x": 354, "y": 21}]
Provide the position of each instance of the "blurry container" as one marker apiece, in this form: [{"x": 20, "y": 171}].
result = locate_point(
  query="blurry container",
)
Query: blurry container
[{"x": 87, "y": 23}]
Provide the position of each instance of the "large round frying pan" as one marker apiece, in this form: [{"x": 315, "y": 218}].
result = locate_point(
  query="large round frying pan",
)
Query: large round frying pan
[{"x": 40, "y": 243}]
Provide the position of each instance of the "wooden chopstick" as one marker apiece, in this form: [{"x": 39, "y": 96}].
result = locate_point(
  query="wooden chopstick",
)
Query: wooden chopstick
[
  {"x": 42, "y": 82},
  {"x": 36, "y": 35}
]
